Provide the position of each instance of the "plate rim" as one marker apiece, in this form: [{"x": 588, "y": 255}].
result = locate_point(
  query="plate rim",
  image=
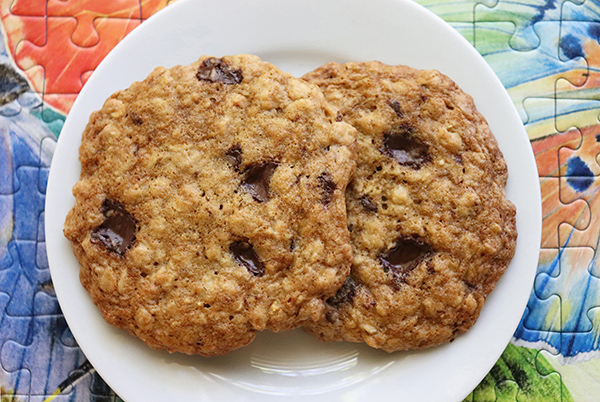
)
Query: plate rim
[{"x": 50, "y": 220}]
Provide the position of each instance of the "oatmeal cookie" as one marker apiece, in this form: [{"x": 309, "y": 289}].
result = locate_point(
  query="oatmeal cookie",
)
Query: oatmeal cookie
[
  {"x": 211, "y": 204},
  {"x": 431, "y": 228}
]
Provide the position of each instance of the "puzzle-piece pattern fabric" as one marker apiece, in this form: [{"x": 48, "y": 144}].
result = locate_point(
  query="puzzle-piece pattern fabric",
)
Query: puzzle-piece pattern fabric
[{"x": 546, "y": 53}]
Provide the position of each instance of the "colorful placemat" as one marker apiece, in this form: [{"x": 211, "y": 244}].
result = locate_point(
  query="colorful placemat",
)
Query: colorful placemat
[{"x": 547, "y": 55}]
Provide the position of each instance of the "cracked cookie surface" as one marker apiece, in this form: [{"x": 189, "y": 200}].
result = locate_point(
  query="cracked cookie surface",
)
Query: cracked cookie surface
[
  {"x": 431, "y": 228},
  {"x": 211, "y": 204}
]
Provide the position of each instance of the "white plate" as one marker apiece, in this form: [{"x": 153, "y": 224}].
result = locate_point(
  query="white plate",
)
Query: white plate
[{"x": 298, "y": 36}]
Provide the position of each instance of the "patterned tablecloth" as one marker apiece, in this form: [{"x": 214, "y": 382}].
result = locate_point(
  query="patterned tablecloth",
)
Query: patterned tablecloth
[{"x": 547, "y": 55}]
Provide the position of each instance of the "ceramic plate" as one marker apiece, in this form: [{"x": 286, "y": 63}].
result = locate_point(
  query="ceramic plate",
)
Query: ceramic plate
[{"x": 298, "y": 36}]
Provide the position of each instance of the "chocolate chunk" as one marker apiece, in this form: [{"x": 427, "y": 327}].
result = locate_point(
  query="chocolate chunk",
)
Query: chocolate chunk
[
  {"x": 258, "y": 177},
  {"x": 339, "y": 117},
  {"x": 405, "y": 256},
  {"x": 117, "y": 232},
  {"x": 402, "y": 145},
  {"x": 368, "y": 203},
  {"x": 136, "y": 119},
  {"x": 397, "y": 109},
  {"x": 244, "y": 253},
  {"x": 327, "y": 186},
  {"x": 216, "y": 70},
  {"x": 345, "y": 294},
  {"x": 235, "y": 155}
]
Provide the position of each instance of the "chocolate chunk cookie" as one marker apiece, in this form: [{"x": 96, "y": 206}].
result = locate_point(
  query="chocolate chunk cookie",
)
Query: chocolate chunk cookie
[
  {"x": 211, "y": 204},
  {"x": 431, "y": 228}
]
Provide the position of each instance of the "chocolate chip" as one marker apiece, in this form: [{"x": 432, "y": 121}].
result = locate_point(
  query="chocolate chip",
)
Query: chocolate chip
[
  {"x": 397, "y": 109},
  {"x": 244, "y": 253},
  {"x": 136, "y": 119},
  {"x": 216, "y": 70},
  {"x": 235, "y": 155},
  {"x": 258, "y": 177},
  {"x": 345, "y": 294},
  {"x": 327, "y": 186},
  {"x": 405, "y": 256},
  {"x": 117, "y": 232},
  {"x": 368, "y": 203},
  {"x": 338, "y": 117},
  {"x": 402, "y": 145}
]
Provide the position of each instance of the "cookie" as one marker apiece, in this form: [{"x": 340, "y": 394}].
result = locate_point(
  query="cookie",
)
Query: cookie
[
  {"x": 211, "y": 204},
  {"x": 431, "y": 228}
]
